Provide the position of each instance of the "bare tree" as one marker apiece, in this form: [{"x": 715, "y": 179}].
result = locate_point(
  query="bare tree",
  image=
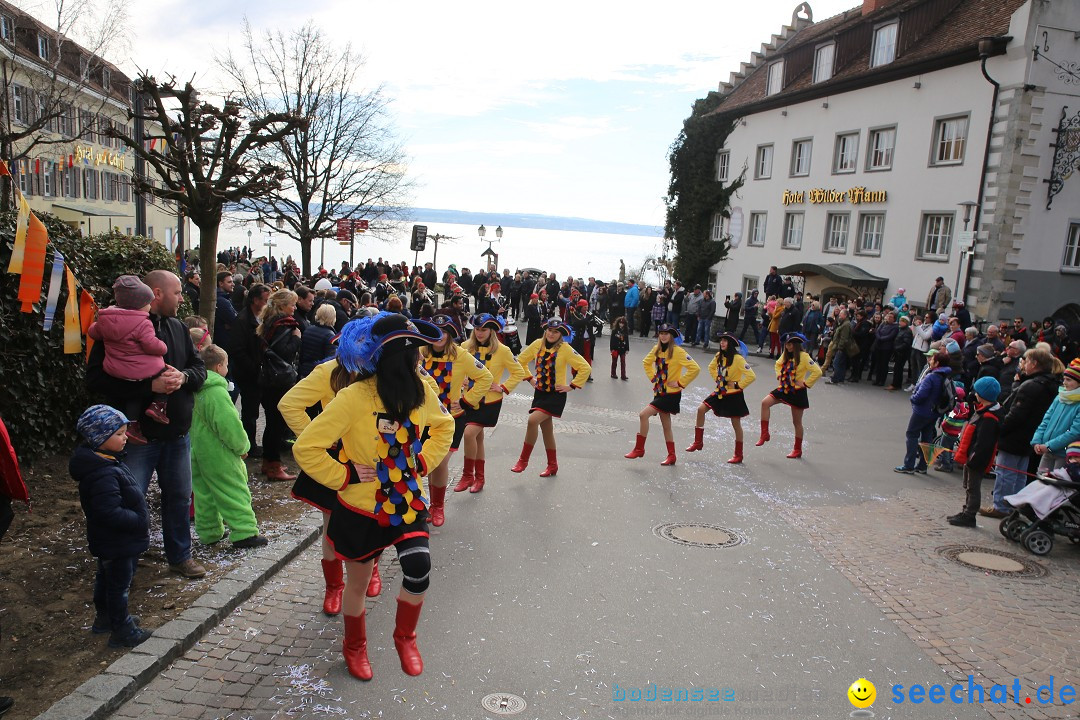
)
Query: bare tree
[
  {"x": 54, "y": 81},
  {"x": 346, "y": 163},
  {"x": 203, "y": 158}
]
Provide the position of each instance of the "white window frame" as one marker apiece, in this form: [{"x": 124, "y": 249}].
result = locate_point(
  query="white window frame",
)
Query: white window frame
[
  {"x": 879, "y": 160},
  {"x": 955, "y": 143},
  {"x": 864, "y": 219},
  {"x": 20, "y": 106},
  {"x": 48, "y": 188},
  {"x": 853, "y": 156},
  {"x": 723, "y": 165},
  {"x": 774, "y": 81},
  {"x": 884, "y": 44},
  {"x": 750, "y": 283},
  {"x": 936, "y": 247},
  {"x": 43, "y": 49},
  {"x": 719, "y": 227},
  {"x": 763, "y": 162},
  {"x": 794, "y": 224},
  {"x": 106, "y": 78},
  {"x": 25, "y": 182},
  {"x": 800, "y": 162},
  {"x": 1070, "y": 263},
  {"x": 837, "y": 230},
  {"x": 824, "y": 59},
  {"x": 7, "y": 28},
  {"x": 755, "y": 236}
]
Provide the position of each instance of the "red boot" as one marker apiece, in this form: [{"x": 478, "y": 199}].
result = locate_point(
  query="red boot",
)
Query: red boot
[
  {"x": 466, "y": 476},
  {"x": 699, "y": 440},
  {"x": 374, "y": 586},
  {"x": 552, "y": 466},
  {"x": 639, "y": 448},
  {"x": 797, "y": 452},
  {"x": 335, "y": 585},
  {"x": 354, "y": 647},
  {"x": 438, "y": 498},
  {"x": 156, "y": 412},
  {"x": 737, "y": 457},
  {"x": 478, "y": 483},
  {"x": 670, "y": 459},
  {"x": 134, "y": 434},
  {"x": 405, "y": 637},
  {"x": 275, "y": 471},
  {"x": 523, "y": 461},
  {"x": 764, "y": 434}
]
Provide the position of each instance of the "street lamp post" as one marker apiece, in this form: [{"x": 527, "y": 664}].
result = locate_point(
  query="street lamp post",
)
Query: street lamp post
[
  {"x": 968, "y": 206},
  {"x": 482, "y": 231}
]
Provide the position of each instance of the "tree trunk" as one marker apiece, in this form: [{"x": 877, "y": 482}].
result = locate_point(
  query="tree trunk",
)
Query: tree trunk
[
  {"x": 305, "y": 256},
  {"x": 208, "y": 235}
]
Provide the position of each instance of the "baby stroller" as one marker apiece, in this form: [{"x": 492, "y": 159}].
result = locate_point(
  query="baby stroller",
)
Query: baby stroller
[{"x": 1047, "y": 507}]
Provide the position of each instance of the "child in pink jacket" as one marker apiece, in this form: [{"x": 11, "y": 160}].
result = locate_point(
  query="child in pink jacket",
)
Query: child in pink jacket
[{"x": 132, "y": 348}]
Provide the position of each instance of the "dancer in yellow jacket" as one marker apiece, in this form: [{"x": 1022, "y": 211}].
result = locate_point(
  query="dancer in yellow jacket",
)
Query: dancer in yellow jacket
[
  {"x": 554, "y": 361},
  {"x": 450, "y": 367},
  {"x": 669, "y": 369},
  {"x": 732, "y": 376},
  {"x": 381, "y": 410},
  {"x": 796, "y": 371},
  {"x": 484, "y": 345}
]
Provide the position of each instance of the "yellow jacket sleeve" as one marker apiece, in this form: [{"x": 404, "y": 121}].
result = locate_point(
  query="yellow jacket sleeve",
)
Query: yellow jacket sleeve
[
  {"x": 517, "y": 374},
  {"x": 689, "y": 369},
  {"x": 779, "y": 364},
  {"x": 649, "y": 363},
  {"x": 808, "y": 370},
  {"x": 440, "y": 431},
  {"x": 481, "y": 377},
  {"x": 331, "y": 425},
  {"x": 579, "y": 364},
  {"x": 315, "y": 388},
  {"x": 527, "y": 356},
  {"x": 714, "y": 369},
  {"x": 746, "y": 374}
]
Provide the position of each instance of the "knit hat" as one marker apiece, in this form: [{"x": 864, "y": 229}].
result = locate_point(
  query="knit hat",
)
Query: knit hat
[
  {"x": 99, "y": 422},
  {"x": 1073, "y": 371},
  {"x": 952, "y": 347},
  {"x": 534, "y": 296},
  {"x": 986, "y": 350},
  {"x": 987, "y": 388},
  {"x": 1073, "y": 451},
  {"x": 131, "y": 293}
]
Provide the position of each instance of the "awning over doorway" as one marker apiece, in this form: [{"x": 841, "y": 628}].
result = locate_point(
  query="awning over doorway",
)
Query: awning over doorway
[
  {"x": 90, "y": 211},
  {"x": 843, "y": 273}
]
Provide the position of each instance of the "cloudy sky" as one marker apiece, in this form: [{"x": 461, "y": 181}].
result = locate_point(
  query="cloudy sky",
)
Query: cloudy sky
[{"x": 563, "y": 108}]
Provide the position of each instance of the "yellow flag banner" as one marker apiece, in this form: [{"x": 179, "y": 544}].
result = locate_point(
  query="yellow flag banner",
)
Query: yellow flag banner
[{"x": 72, "y": 328}]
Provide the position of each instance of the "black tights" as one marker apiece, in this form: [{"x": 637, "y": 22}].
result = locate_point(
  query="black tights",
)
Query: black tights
[{"x": 414, "y": 556}]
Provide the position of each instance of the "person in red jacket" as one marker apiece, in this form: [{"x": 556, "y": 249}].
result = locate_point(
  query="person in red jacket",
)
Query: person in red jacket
[{"x": 977, "y": 448}]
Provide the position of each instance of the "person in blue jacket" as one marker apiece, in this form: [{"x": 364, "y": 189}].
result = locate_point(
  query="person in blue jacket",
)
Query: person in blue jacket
[
  {"x": 923, "y": 413},
  {"x": 630, "y": 303}
]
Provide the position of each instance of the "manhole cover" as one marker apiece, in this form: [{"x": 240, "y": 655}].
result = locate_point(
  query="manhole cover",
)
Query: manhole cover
[
  {"x": 989, "y": 560},
  {"x": 503, "y": 703},
  {"x": 699, "y": 535}
]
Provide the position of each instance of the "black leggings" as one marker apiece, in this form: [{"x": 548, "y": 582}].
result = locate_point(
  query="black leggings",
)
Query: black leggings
[
  {"x": 414, "y": 556},
  {"x": 276, "y": 430}
]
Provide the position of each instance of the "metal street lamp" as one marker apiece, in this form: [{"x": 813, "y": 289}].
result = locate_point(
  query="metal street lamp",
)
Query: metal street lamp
[
  {"x": 966, "y": 244},
  {"x": 968, "y": 206}
]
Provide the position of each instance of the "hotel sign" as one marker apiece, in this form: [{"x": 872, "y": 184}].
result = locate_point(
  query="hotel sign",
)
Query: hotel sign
[
  {"x": 824, "y": 196},
  {"x": 86, "y": 154}
]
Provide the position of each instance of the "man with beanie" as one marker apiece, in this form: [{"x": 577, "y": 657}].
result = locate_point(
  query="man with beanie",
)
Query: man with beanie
[
  {"x": 117, "y": 521},
  {"x": 168, "y": 451},
  {"x": 975, "y": 452}
]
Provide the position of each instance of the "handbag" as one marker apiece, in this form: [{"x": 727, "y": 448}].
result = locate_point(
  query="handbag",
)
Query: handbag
[{"x": 275, "y": 373}]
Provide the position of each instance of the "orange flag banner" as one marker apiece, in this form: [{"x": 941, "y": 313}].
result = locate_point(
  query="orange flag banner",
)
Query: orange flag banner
[
  {"x": 72, "y": 329},
  {"x": 87, "y": 315},
  {"x": 33, "y": 271}
]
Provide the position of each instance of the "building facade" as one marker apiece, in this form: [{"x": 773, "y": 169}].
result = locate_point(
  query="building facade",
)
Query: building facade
[
  {"x": 68, "y": 99},
  {"x": 877, "y": 155}
]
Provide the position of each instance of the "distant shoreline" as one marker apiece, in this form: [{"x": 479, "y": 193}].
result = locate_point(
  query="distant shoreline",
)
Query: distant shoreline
[{"x": 538, "y": 222}]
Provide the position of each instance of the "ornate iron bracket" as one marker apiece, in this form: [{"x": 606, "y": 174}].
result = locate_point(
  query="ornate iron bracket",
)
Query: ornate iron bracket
[{"x": 1066, "y": 154}]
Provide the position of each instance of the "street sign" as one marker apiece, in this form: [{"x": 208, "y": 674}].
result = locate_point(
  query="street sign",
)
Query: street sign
[
  {"x": 966, "y": 238},
  {"x": 419, "y": 238}
]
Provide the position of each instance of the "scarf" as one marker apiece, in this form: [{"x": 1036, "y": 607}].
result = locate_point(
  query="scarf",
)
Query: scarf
[
  {"x": 787, "y": 376},
  {"x": 399, "y": 497},
  {"x": 721, "y": 378},
  {"x": 660, "y": 379},
  {"x": 545, "y": 369},
  {"x": 1068, "y": 397},
  {"x": 441, "y": 369}
]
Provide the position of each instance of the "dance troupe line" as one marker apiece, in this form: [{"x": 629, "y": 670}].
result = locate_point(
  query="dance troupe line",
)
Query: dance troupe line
[{"x": 401, "y": 395}]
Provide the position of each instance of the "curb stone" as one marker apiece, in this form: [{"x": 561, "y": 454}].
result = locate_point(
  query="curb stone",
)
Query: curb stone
[{"x": 105, "y": 692}]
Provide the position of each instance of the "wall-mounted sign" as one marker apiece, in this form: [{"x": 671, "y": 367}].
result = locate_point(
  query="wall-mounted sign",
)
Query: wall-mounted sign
[
  {"x": 85, "y": 154},
  {"x": 824, "y": 196}
]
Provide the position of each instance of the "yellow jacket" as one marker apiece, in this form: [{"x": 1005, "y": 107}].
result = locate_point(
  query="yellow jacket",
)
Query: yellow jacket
[
  {"x": 353, "y": 417},
  {"x": 738, "y": 377},
  {"x": 498, "y": 362},
  {"x": 774, "y": 318},
  {"x": 450, "y": 374},
  {"x": 315, "y": 388},
  {"x": 681, "y": 367},
  {"x": 566, "y": 358},
  {"x": 806, "y": 370}
]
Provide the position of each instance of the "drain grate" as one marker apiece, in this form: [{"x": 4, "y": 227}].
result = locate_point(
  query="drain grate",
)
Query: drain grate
[
  {"x": 503, "y": 703},
  {"x": 992, "y": 561},
  {"x": 701, "y": 535}
]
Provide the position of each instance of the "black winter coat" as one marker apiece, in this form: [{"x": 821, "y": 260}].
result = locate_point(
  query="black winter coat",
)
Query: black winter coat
[
  {"x": 245, "y": 355},
  {"x": 1023, "y": 410},
  {"x": 315, "y": 346},
  {"x": 117, "y": 520}
]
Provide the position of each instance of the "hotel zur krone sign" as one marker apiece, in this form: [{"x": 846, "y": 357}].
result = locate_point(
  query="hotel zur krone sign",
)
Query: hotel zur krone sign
[{"x": 823, "y": 196}]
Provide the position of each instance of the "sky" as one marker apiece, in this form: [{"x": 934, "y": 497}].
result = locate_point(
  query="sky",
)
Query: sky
[{"x": 565, "y": 108}]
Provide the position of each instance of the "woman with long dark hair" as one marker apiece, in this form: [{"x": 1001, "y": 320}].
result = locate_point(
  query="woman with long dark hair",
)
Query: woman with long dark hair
[
  {"x": 796, "y": 371},
  {"x": 484, "y": 347},
  {"x": 669, "y": 369},
  {"x": 279, "y": 335},
  {"x": 379, "y": 414},
  {"x": 732, "y": 376},
  {"x": 554, "y": 359}
]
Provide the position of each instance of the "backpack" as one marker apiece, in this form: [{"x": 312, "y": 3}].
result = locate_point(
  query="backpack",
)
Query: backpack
[{"x": 946, "y": 399}]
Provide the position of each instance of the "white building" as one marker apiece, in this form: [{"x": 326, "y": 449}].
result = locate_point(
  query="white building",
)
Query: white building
[{"x": 862, "y": 140}]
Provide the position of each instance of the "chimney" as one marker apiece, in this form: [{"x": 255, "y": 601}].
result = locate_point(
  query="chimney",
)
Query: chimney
[{"x": 870, "y": 6}]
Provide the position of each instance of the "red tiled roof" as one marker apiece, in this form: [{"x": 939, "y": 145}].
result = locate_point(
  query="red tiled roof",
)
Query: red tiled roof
[{"x": 953, "y": 39}]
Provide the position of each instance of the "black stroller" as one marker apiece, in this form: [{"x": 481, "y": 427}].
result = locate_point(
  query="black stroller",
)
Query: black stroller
[{"x": 1025, "y": 526}]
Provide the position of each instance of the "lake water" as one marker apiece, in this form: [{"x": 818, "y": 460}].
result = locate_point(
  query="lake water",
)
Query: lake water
[{"x": 581, "y": 254}]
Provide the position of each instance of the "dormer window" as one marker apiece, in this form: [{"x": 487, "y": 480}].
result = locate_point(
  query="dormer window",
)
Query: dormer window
[
  {"x": 7, "y": 28},
  {"x": 43, "y": 47},
  {"x": 106, "y": 78},
  {"x": 883, "y": 50},
  {"x": 823, "y": 62},
  {"x": 775, "y": 81}
]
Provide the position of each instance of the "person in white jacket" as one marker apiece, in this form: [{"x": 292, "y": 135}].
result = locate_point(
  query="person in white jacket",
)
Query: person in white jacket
[{"x": 923, "y": 329}]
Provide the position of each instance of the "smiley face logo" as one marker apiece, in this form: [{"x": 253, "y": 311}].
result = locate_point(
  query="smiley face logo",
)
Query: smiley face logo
[{"x": 862, "y": 693}]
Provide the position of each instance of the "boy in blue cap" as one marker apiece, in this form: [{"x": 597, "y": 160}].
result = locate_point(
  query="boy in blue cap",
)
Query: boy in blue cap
[
  {"x": 978, "y": 447},
  {"x": 117, "y": 520}
]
